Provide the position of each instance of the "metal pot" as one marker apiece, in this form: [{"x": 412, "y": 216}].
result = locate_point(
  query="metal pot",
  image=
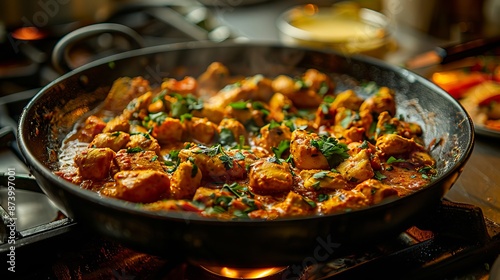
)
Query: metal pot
[{"x": 50, "y": 115}]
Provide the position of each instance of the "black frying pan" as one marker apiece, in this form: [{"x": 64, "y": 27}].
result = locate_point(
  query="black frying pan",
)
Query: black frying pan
[{"x": 53, "y": 111}]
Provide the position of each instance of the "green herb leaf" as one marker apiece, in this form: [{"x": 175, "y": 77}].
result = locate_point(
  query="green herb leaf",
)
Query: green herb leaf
[
  {"x": 323, "y": 197},
  {"x": 159, "y": 117},
  {"x": 186, "y": 116},
  {"x": 320, "y": 175},
  {"x": 226, "y": 137},
  {"x": 227, "y": 161},
  {"x": 323, "y": 88},
  {"x": 333, "y": 151},
  {"x": 393, "y": 160},
  {"x": 239, "y": 105},
  {"x": 239, "y": 156},
  {"x": 194, "y": 171},
  {"x": 379, "y": 176},
  {"x": 283, "y": 146},
  {"x": 134, "y": 150}
]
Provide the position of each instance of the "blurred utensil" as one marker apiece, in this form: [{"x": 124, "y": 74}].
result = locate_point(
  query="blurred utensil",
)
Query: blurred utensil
[{"x": 452, "y": 53}]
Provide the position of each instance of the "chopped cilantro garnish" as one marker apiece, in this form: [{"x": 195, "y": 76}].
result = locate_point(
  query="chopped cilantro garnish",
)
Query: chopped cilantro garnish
[
  {"x": 309, "y": 201},
  {"x": 379, "y": 176},
  {"x": 300, "y": 84},
  {"x": 186, "y": 116},
  {"x": 283, "y": 146},
  {"x": 226, "y": 137},
  {"x": 227, "y": 161},
  {"x": 239, "y": 105},
  {"x": 146, "y": 135},
  {"x": 274, "y": 124},
  {"x": 185, "y": 104},
  {"x": 333, "y": 151},
  {"x": 364, "y": 145},
  {"x": 194, "y": 171},
  {"x": 370, "y": 88},
  {"x": 347, "y": 119},
  {"x": 172, "y": 160},
  {"x": 134, "y": 150},
  {"x": 320, "y": 175},
  {"x": 323, "y": 88},
  {"x": 158, "y": 118},
  {"x": 160, "y": 96},
  {"x": 239, "y": 156},
  {"x": 393, "y": 160},
  {"x": 323, "y": 197}
]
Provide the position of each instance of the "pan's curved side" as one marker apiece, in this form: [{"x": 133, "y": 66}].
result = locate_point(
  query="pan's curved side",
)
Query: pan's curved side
[{"x": 50, "y": 115}]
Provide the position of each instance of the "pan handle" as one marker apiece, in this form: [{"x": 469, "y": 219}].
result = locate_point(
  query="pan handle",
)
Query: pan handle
[{"x": 60, "y": 53}]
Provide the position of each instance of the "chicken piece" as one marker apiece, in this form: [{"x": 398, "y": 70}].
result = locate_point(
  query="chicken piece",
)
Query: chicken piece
[
  {"x": 95, "y": 163},
  {"x": 305, "y": 155},
  {"x": 144, "y": 141},
  {"x": 393, "y": 144},
  {"x": 229, "y": 95},
  {"x": 170, "y": 130},
  {"x": 266, "y": 177},
  {"x": 123, "y": 91},
  {"x": 279, "y": 103},
  {"x": 137, "y": 159},
  {"x": 200, "y": 130},
  {"x": 346, "y": 118},
  {"x": 213, "y": 79},
  {"x": 357, "y": 168},
  {"x": 113, "y": 140},
  {"x": 237, "y": 129},
  {"x": 119, "y": 123},
  {"x": 185, "y": 180},
  {"x": 188, "y": 85},
  {"x": 217, "y": 164},
  {"x": 299, "y": 94},
  {"x": 258, "y": 87},
  {"x": 347, "y": 99},
  {"x": 387, "y": 125},
  {"x": 382, "y": 100},
  {"x": 212, "y": 112},
  {"x": 342, "y": 201},
  {"x": 206, "y": 196},
  {"x": 293, "y": 205},
  {"x": 318, "y": 81},
  {"x": 272, "y": 137},
  {"x": 138, "y": 104},
  {"x": 353, "y": 134},
  {"x": 135, "y": 128},
  {"x": 141, "y": 186},
  {"x": 93, "y": 125},
  {"x": 322, "y": 180},
  {"x": 375, "y": 191}
]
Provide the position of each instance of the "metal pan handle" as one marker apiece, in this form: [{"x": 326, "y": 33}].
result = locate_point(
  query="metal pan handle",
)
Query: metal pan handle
[{"x": 60, "y": 53}]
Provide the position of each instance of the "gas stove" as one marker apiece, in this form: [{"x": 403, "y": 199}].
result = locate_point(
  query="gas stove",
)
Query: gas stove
[{"x": 459, "y": 241}]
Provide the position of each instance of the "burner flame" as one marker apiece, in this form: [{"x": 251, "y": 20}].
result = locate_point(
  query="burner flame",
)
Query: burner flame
[
  {"x": 28, "y": 34},
  {"x": 243, "y": 273}
]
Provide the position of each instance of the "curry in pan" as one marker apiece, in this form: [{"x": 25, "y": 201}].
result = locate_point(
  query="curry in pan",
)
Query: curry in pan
[{"x": 256, "y": 147}]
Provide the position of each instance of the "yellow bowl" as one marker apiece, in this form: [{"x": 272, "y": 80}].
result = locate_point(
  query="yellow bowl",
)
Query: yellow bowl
[{"x": 344, "y": 26}]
